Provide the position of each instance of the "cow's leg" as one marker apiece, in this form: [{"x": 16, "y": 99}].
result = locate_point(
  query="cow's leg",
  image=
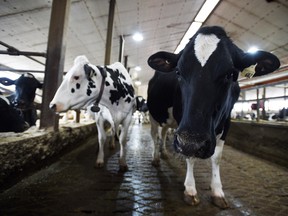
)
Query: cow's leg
[
  {"x": 101, "y": 140},
  {"x": 164, "y": 154},
  {"x": 190, "y": 193},
  {"x": 108, "y": 118},
  {"x": 123, "y": 141},
  {"x": 218, "y": 197},
  {"x": 156, "y": 147}
]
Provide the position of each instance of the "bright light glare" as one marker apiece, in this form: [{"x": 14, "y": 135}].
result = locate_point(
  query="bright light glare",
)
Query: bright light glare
[
  {"x": 137, "y": 82},
  {"x": 138, "y": 68},
  {"x": 206, "y": 9},
  {"x": 252, "y": 49},
  {"x": 137, "y": 37},
  {"x": 190, "y": 32}
]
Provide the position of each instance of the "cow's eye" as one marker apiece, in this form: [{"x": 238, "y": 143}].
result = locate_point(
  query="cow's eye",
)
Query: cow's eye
[{"x": 76, "y": 77}]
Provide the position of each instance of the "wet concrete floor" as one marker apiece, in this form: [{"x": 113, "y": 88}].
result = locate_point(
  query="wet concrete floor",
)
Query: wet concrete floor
[{"x": 72, "y": 186}]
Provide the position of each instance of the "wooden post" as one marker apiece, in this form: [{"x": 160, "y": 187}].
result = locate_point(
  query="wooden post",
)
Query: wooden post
[
  {"x": 55, "y": 60},
  {"x": 109, "y": 32}
]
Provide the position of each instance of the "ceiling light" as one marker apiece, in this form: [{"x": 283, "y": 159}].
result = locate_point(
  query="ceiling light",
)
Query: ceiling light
[
  {"x": 200, "y": 18},
  {"x": 205, "y": 10},
  {"x": 189, "y": 33},
  {"x": 137, "y": 37},
  {"x": 252, "y": 49}
]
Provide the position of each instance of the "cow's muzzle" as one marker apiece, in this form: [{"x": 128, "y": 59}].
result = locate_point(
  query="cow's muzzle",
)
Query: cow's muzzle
[
  {"x": 53, "y": 107},
  {"x": 193, "y": 145}
]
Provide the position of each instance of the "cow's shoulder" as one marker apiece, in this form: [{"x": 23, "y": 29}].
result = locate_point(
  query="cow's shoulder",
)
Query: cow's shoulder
[{"x": 119, "y": 84}]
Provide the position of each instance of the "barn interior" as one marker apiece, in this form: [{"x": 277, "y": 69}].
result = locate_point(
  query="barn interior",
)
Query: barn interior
[{"x": 43, "y": 37}]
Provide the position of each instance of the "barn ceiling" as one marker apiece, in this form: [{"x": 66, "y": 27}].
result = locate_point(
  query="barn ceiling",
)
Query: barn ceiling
[{"x": 25, "y": 25}]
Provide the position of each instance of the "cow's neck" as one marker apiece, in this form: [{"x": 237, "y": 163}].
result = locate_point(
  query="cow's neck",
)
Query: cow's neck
[{"x": 95, "y": 107}]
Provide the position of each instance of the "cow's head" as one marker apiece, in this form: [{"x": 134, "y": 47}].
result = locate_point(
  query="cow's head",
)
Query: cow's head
[
  {"x": 79, "y": 87},
  {"x": 207, "y": 70},
  {"x": 26, "y": 86}
]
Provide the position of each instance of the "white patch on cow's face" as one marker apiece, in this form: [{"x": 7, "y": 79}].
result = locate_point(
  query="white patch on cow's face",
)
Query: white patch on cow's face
[{"x": 204, "y": 46}]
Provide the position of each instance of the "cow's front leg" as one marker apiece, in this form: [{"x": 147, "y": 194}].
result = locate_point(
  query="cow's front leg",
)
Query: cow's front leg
[
  {"x": 156, "y": 144},
  {"x": 164, "y": 153},
  {"x": 218, "y": 197},
  {"x": 190, "y": 193},
  {"x": 101, "y": 140}
]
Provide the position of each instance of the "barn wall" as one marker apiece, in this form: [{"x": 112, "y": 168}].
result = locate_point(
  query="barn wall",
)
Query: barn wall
[
  {"x": 267, "y": 141},
  {"x": 20, "y": 157}
]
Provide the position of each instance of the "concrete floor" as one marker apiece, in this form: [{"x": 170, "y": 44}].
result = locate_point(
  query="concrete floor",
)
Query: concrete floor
[{"x": 72, "y": 186}]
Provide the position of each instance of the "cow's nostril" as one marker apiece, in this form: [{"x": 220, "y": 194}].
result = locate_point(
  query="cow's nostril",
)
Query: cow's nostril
[{"x": 52, "y": 107}]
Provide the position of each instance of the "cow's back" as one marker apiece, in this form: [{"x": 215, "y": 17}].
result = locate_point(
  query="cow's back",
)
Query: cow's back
[{"x": 162, "y": 90}]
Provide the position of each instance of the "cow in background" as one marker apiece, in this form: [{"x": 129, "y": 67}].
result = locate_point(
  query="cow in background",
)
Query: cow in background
[
  {"x": 10, "y": 120},
  {"x": 195, "y": 91},
  {"x": 141, "y": 106},
  {"x": 23, "y": 98},
  {"x": 111, "y": 92}
]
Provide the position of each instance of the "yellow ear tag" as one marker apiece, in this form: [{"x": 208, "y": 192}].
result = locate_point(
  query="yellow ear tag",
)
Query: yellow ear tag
[{"x": 249, "y": 72}]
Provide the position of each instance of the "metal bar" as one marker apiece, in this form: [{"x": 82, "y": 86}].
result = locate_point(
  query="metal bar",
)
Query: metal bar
[
  {"x": 126, "y": 61},
  {"x": 21, "y": 71},
  {"x": 109, "y": 32},
  {"x": 269, "y": 98},
  {"x": 121, "y": 48},
  {"x": 55, "y": 60},
  {"x": 25, "y": 53},
  {"x": 27, "y": 56},
  {"x": 258, "y": 106}
]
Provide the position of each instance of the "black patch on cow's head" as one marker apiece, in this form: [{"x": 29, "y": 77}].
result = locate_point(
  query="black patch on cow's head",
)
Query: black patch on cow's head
[
  {"x": 72, "y": 90},
  {"x": 78, "y": 85},
  {"x": 107, "y": 83}
]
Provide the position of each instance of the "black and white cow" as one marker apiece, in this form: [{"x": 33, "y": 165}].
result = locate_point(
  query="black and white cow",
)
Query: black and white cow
[
  {"x": 196, "y": 94},
  {"x": 10, "y": 120},
  {"x": 81, "y": 87},
  {"x": 23, "y": 98}
]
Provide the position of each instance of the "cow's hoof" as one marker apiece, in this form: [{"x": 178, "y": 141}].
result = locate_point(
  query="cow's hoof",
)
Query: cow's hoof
[
  {"x": 123, "y": 168},
  {"x": 111, "y": 147},
  {"x": 220, "y": 202},
  {"x": 156, "y": 163},
  {"x": 164, "y": 156},
  {"x": 191, "y": 200},
  {"x": 99, "y": 165}
]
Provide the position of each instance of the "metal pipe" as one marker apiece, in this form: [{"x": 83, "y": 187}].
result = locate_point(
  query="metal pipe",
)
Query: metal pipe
[
  {"x": 21, "y": 71},
  {"x": 121, "y": 48},
  {"x": 13, "y": 49}
]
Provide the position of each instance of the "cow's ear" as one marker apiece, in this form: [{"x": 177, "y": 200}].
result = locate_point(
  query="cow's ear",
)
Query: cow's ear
[
  {"x": 163, "y": 61},
  {"x": 6, "y": 81},
  {"x": 265, "y": 62},
  {"x": 88, "y": 71}
]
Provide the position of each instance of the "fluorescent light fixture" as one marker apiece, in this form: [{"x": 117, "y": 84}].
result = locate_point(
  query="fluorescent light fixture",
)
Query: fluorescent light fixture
[
  {"x": 206, "y": 9},
  {"x": 198, "y": 21},
  {"x": 137, "y": 37},
  {"x": 138, "y": 68},
  {"x": 189, "y": 33},
  {"x": 252, "y": 49}
]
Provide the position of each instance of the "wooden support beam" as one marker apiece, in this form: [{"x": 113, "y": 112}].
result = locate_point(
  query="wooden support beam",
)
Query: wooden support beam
[
  {"x": 55, "y": 60},
  {"x": 109, "y": 32}
]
